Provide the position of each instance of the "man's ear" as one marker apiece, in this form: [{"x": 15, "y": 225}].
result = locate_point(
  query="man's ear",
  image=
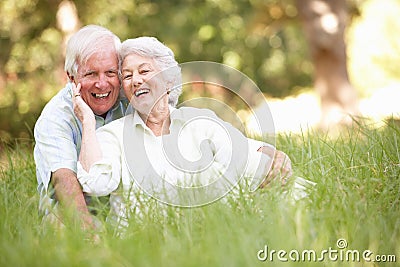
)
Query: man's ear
[{"x": 70, "y": 77}]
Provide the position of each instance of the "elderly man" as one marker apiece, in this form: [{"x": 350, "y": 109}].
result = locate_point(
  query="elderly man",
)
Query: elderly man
[{"x": 91, "y": 61}]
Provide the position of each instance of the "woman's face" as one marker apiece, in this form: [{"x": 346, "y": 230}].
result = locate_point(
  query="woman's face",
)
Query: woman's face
[{"x": 141, "y": 84}]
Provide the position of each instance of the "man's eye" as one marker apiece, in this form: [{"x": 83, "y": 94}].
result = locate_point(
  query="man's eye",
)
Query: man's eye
[{"x": 112, "y": 73}]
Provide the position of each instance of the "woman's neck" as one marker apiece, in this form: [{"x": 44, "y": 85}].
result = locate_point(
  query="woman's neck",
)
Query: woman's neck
[{"x": 158, "y": 120}]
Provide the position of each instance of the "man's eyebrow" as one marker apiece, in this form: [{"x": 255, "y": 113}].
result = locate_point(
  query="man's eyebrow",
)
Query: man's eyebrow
[{"x": 88, "y": 70}]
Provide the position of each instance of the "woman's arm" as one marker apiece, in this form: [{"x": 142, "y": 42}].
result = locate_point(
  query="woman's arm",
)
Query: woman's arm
[
  {"x": 98, "y": 174},
  {"x": 90, "y": 147},
  {"x": 104, "y": 175},
  {"x": 263, "y": 162}
]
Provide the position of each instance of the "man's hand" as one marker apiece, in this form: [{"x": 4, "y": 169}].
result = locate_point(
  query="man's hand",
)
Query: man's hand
[{"x": 281, "y": 167}]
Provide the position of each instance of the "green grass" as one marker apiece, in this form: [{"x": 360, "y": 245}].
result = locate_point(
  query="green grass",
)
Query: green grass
[{"x": 357, "y": 198}]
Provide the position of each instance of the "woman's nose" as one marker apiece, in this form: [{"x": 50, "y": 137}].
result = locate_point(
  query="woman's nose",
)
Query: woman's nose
[{"x": 137, "y": 80}]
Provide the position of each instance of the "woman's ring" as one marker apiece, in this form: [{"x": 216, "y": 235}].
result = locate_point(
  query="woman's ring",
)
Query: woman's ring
[{"x": 78, "y": 94}]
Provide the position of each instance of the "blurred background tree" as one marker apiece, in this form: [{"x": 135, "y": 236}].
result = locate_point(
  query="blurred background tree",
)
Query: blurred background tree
[
  {"x": 262, "y": 38},
  {"x": 324, "y": 23}
]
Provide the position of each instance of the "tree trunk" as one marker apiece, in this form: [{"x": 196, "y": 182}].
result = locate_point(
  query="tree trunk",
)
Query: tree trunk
[
  {"x": 324, "y": 23},
  {"x": 68, "y": 22}
]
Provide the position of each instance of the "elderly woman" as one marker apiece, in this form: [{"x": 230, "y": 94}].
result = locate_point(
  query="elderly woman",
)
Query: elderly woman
[{"x": 184, "y": 157}]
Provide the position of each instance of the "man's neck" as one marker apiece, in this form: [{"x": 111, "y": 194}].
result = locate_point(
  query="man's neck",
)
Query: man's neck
[{"x": 103, "y": 115}]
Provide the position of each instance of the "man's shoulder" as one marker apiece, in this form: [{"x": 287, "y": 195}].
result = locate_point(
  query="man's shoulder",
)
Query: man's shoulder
[
  {"x": 60, "y": 104},
  {"x": 58, "y": 112}
]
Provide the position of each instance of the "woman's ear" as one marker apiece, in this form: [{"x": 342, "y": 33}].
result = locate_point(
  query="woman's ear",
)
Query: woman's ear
[{"x": 170, "y": 85}]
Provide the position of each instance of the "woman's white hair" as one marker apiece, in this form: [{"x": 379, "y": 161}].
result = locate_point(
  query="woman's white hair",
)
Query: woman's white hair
[
  {"x": 87, "y": 41},
  {"x": 164, "y": 58}
]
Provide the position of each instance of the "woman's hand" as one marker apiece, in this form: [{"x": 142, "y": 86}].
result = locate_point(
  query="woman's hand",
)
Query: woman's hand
[
  {"x": 90, "y": 148},
  {"x": 82, "y": 111},
  {"x": 281, "y": 167}
]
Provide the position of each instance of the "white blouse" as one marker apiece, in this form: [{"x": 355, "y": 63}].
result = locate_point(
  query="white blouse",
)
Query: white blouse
[{"x": 199, "y": 161}]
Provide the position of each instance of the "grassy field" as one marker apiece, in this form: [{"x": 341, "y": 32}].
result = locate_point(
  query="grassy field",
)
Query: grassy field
[{"x": 353, "y": 211}]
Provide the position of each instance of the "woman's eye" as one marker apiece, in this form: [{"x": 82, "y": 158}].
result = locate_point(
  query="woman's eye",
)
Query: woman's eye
[
  {"x": 128, "y": 76},
  {"x": 144, "y": 71}
]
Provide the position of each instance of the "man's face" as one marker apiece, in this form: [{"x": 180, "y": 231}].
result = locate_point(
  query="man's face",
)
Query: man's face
[{"x": 99, "y": 81}]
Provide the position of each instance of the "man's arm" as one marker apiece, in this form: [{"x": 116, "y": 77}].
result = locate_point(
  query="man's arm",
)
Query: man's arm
[
  {"x": 69, "y": 194},
  {"x": 57, "y": 137}
]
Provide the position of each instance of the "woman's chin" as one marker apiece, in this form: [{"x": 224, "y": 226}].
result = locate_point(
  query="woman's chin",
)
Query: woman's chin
[{"x": 144, "y": 111}]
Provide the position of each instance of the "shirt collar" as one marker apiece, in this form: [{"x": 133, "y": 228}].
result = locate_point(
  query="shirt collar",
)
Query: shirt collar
[{"x": 175, "y": 115}]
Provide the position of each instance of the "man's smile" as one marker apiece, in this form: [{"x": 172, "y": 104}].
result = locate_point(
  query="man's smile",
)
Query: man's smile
[{"x": 101, "y": 95}]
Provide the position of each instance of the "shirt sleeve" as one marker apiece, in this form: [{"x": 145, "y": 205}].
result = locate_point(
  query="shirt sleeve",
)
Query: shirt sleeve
[
  {"x": 104, "y": 175},
  {"x": 55, "y": 147}
]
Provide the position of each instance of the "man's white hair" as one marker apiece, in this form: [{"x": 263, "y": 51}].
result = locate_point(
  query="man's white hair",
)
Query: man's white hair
[{"x": 87, "y": 41}]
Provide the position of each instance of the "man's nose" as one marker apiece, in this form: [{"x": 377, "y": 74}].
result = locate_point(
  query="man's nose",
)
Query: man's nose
[{"x": 102, "y": 81}]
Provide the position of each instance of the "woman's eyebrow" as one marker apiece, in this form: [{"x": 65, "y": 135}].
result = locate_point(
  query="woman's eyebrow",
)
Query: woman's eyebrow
[
  {"x": 140, "y": 66},
  {"x": 144, "y": 65}
]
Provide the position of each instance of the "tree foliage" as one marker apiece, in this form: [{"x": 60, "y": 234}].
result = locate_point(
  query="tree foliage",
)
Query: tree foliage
[{"x": 261, "y": 38}]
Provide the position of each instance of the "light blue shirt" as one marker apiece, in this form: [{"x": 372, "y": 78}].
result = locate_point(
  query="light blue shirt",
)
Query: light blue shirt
[{"x": 58, "y": 137}]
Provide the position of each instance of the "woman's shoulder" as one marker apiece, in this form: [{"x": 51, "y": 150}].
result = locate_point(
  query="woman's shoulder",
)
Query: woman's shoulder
[{"x": 191, "y": 112}]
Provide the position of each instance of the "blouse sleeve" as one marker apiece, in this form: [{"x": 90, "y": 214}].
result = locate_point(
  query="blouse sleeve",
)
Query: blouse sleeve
[
  {"x": 104, "y": 175},
  {"x": 240, "y": 152}
]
